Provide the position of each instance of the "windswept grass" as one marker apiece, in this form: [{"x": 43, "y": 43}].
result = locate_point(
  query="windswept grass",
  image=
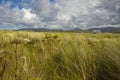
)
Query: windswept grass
[{"x": 59, "y": 56}]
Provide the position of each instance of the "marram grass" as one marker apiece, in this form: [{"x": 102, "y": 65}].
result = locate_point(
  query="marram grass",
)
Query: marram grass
[{"x": 59, "y": 56}]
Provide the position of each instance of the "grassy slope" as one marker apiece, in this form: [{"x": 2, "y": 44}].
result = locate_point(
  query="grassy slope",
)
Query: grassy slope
[{"x": 59, "y": 56}]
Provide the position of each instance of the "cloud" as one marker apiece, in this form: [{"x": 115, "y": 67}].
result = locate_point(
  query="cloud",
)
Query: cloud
[
  {"x": 65, "y": 14},
  {"x": 17, "y": 17},
  {"x": 62, "y": 12},
  {"x": 41, "y": 7},
  {"x": 29, "y": 18}
]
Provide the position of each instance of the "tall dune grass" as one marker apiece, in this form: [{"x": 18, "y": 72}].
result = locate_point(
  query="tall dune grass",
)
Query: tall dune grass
[{"x": 59, "y": 56}]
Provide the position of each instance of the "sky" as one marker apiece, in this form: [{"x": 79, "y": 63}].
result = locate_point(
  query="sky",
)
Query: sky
[{"x": 59, "y": 14}]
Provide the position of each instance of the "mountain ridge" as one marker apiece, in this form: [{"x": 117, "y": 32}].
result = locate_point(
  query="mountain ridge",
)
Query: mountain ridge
[{"x": 105, "y": 29}]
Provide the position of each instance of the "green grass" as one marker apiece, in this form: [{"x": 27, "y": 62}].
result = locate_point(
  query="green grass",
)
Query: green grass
[{"x": 59, "y": 56}]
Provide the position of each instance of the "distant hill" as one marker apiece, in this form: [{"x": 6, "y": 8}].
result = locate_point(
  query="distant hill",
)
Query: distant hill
[
  {"x": 49, "y": 30},
  {"x": 106, "y": 29},
  {"x": 39, "y": 29},
  {"x": 75, "y": 30}
]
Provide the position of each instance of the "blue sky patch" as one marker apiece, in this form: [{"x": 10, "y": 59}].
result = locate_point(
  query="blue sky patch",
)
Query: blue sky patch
[
  {"x": 52, "y": 0},
  {"x": 15, "y": 3},
  {"x": 18, "y": 3}
]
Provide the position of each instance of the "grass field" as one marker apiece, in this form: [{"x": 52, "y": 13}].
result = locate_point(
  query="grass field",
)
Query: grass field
[{"x": 59, "y": 56}]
